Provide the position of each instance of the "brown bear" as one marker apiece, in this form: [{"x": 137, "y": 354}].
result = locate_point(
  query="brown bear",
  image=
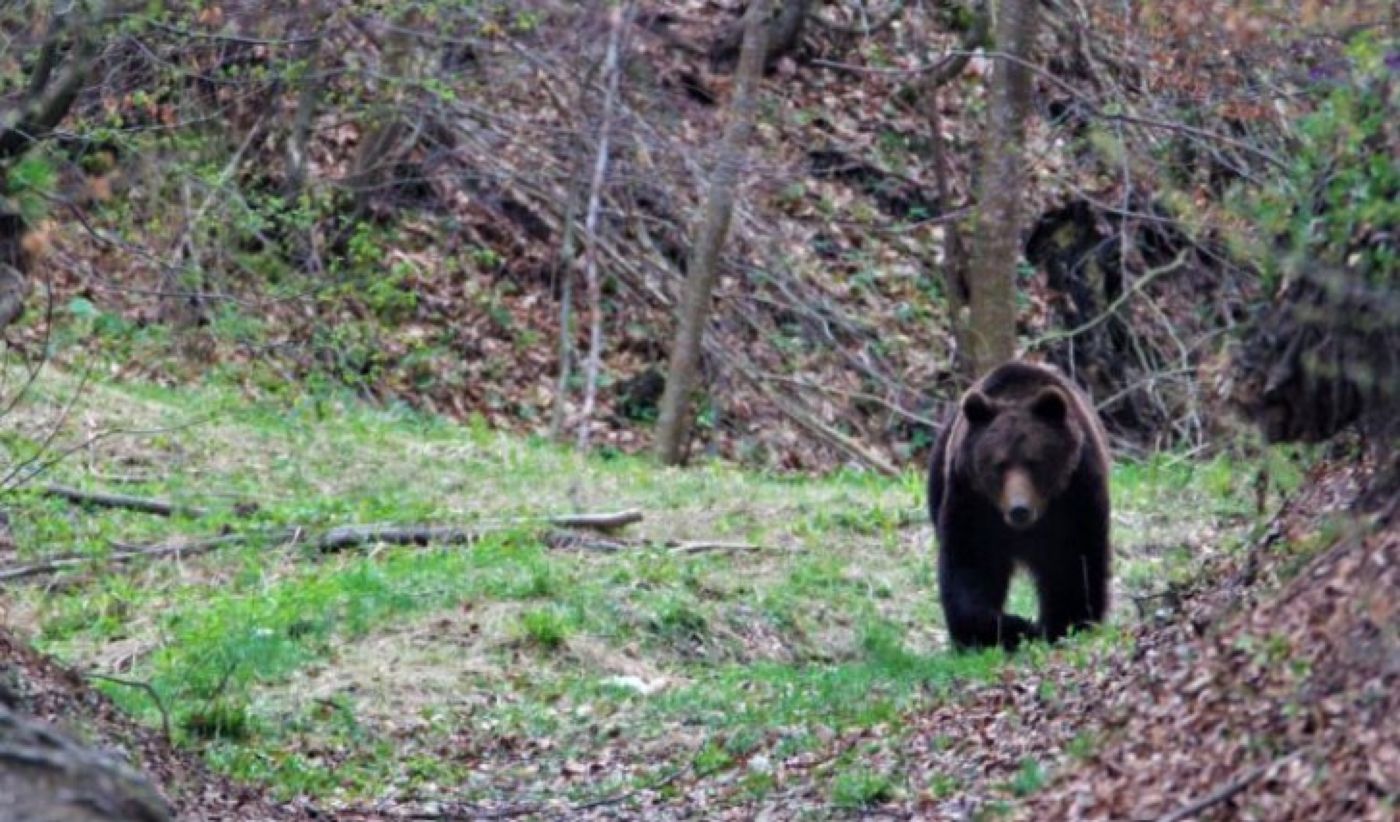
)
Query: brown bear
[{"x": 1019, "y": 476}]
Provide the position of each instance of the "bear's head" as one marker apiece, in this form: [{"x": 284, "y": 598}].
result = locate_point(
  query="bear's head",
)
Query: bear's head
[{"x": 1020, "y": 453}]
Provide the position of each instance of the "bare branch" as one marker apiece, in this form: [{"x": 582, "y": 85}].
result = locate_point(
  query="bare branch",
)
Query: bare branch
[
  {"x": 159, "y": 507},
  {"x": 1225, "y": 792},
  {"x": 46, "y": 106},
  {"x": 622, "y": 19}
]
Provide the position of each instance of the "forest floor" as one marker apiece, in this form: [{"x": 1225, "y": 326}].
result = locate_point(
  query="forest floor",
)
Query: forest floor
[{"x": 753, "y": 644}]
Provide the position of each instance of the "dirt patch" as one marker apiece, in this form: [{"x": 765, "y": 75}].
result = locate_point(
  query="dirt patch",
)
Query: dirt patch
[{"x": 434, "y": 663}]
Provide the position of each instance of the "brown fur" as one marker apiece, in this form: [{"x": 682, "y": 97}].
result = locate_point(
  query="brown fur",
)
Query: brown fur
[
  {"x": 1020, "y": 476},
  {"x": 1084, "y": 422}
]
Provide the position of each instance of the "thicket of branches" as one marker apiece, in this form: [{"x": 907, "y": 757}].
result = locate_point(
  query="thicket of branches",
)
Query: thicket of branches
[{"x": 336, "y": 170}]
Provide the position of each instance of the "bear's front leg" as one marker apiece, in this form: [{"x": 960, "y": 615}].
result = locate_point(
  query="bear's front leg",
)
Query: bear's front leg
[{"x": 973, "y": 595}]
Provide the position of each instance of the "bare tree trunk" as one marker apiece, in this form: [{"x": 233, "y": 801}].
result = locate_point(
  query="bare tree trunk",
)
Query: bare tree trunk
[
  {"x": 307, "y": 99},
  {"x": 955, "y": 257},
  {"x": 564, "y": 255},
  {"x": 782, "y": 36},
  {"x": 997, "y": 242},
  {"x": 565, "y": 266},
  {"x": 703, "y": 264},
  {"x": 622, "y": 18},
  {"x": 954, "y": 263}
]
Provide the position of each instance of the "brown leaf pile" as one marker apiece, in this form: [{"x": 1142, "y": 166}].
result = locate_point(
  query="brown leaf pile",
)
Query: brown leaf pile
[{"x": 1306, "y": 687}]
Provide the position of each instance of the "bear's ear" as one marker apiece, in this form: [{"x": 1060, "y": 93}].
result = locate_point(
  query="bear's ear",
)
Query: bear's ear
[
  {"x": 1050, "y": 405},
  {"x": 977, "y": 408}
]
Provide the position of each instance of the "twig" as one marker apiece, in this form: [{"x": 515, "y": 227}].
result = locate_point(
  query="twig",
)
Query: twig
[
  {"x": 160, "y": 508},
  {"x": 1142, "y": 283},
  {"x": 832, "y": 436},
  {"x": 623, "y": 796},
  {"x": 854, "y": 396},
  {"x": 1091, "y": 108},
  {"x": 600, "y": 522},
  {"x": 123, "y": 479},
  {"x": 230, "y": 38},
  {"x": 566, "y": 540},
  {"x": 1226, "y": 791},
  {"x": 701, "y": 547},
  {"x": 142, "y": 685},
  {"x": 23, "y": 472},
  {"x": 563, "y": 540},
  {"x": 126, "y": 553}
]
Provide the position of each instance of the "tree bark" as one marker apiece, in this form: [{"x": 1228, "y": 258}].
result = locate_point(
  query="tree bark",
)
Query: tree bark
[
  {"x": 782, "y": 36},
  {"x": 956, "y": 287},
  {"x": 308, "y": 97},
  {"x": 703, "y": 264},
  {"x": 956, "y": 280},
  {"x": 997, "y": 242}
]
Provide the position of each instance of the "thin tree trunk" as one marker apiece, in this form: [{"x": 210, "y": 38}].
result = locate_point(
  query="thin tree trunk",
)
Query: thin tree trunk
[
  {"x": 307, "y": 99},
  {"x": 564, "y": 259},
  {"x": 703, "y": 264},
  {"x": 954, "y": 263},
  {"x": 997, "y": 242},
  {"x": 565, "y": 266},
  {"x": 955, "y": 258},
  {"x": 622, "y": 18}
]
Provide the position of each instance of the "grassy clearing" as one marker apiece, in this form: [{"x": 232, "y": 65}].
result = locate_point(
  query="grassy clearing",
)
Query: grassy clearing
[{"x": 492, "y": 669}]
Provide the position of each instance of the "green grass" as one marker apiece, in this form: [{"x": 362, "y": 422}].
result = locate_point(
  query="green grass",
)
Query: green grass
[
  {"x": 860, "y": 788},
  {"x": 379, "y": 670}
]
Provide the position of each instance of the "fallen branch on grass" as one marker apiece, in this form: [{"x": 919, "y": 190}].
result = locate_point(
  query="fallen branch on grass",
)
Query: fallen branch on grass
[
  {"x": 598, "y": 522},
  {"x": 159, "y": 507},
  {"x": 564, "y": 540},
  {"x": 126, "y": 553},
  {"x": 349, "y": 536},
  {"x": 702, "y": 547}
]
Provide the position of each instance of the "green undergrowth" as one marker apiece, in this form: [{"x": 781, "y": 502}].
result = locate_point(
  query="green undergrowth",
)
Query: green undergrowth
[{"x": 403, "y": 671}]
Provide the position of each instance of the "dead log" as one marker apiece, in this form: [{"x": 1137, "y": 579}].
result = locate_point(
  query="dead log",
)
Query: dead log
[
  {"x": 348, "y": 536},
  {"x": 598, "y": 522}
]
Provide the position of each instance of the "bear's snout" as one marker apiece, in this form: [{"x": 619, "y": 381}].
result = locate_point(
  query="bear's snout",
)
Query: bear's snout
[{"x": 1019, "y": 500}]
